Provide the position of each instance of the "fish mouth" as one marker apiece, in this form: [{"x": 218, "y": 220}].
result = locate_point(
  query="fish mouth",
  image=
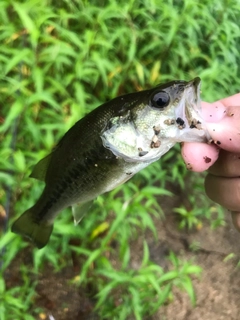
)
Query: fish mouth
[
  {"x": 189, "y": 118},
  {"x": 194, "y": 87},
  {"x": 193, "y": 102},
  {"x": 189, "y": 110}
]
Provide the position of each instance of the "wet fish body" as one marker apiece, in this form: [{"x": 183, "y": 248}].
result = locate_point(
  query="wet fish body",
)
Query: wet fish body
[{"x": 107, "y": 147}]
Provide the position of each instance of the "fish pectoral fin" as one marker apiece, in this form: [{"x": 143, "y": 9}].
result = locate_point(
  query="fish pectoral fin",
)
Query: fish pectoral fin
[
  {"x": 79, "y": 210},
  {"x": 40, "y": 169},
  {"x": 39, "y": 233}
]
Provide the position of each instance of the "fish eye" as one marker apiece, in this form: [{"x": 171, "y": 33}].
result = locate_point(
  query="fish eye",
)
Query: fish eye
[{"x": 160, "y": 100}]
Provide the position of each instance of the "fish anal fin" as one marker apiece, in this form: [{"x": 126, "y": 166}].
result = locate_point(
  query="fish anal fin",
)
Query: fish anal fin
[
  {"x": 40, "y": 169},
  {"x": 39, "y": 233},
  {"x": 79, "y": 210}
]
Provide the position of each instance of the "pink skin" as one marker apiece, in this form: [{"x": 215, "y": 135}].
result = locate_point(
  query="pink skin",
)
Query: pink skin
[{"x": 222, "y": 157}]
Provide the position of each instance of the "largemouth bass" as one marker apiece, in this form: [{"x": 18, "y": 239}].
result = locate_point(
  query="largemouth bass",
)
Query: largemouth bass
[{"x": 107, "y": 147}]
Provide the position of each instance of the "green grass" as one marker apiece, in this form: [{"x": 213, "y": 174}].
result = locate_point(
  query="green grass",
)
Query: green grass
[{"x": 58, "y": 61}]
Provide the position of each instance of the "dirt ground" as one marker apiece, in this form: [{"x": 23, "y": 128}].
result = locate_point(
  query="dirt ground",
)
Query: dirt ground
[{"x": 217, "y": 290}]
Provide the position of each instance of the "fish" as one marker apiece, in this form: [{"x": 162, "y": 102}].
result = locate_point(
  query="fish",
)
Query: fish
[{"x": 107, "y": 147}]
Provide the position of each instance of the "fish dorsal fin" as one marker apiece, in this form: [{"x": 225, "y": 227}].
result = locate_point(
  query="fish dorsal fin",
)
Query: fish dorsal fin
[
  {"x": 40, "y": 169},
  {"x": 79, "y": 210}
]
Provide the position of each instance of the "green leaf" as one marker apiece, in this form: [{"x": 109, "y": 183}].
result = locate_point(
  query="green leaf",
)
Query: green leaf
[
  {"x": 170, "y": 275},
  {"x": 187, "y": 285},
  {"x": 145, "y": 259},
  {"x": 15, "y": 110},
  {"x": 2, "y": 287},
  {"x": 27, "y": 21},
  {"x": 38, "y": 79},
  {"x": 19, "y": 161},
  {"x": 24, "y": 55},
  {"x": 149, "y": 190}
]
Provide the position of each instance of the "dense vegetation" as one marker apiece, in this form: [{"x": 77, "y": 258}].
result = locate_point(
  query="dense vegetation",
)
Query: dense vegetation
[{"x": 58, "y": 61}]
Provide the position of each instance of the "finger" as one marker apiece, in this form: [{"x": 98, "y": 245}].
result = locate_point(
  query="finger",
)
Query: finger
[
  {"x": 233, "y": 101},
  {"x": 236, "y": 219},
  {"x": 226, "y": 133},
  {"x": 213, "y": 112},
  {"x": 225, "y": 191},
  {"x": 222, "y": 122},
  {"x": 199, "y": 156},
  {"x": 227, "y": 165}
]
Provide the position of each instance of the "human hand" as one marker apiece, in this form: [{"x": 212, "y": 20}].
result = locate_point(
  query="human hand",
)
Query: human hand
[{"x": 222, "y": 157}]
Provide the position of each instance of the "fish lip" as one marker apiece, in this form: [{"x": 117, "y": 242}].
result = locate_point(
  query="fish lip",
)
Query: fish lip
[
  {"x": 192, "y": 100},
  {"x": 195, "y": 82}
]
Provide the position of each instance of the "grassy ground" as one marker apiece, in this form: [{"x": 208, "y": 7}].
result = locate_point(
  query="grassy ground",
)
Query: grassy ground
[{"x": 58, "y": 61}]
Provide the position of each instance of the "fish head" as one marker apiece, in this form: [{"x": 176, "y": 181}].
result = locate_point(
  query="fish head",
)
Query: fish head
[{"x": 155, "y": 120}]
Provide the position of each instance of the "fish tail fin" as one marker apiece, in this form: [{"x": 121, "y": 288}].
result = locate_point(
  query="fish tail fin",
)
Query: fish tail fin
[{"x": 26, "y": 225}]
